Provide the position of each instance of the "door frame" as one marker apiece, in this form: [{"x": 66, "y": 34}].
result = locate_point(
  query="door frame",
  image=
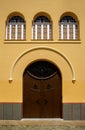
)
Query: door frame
[{"x": 40, "y": 78}]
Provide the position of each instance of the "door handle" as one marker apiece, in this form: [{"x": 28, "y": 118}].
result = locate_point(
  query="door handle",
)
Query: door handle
[
  {"x": 38, "y": 102},
  {"x": 45, "y": 101}
]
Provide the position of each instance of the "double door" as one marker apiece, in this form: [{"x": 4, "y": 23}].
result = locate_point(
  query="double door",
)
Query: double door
[{"x": 42, "y": 98}]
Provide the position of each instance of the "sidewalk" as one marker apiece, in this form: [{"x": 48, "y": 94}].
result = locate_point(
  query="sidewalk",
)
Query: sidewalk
[{"x": 41, "y": 124}]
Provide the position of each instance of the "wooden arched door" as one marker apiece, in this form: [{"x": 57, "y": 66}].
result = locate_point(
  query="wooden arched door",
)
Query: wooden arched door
[{"x": 42, "y": 91}]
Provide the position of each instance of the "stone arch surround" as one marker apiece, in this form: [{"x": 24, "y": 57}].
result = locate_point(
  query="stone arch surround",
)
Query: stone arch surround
[{"x": 42, "y": 48}]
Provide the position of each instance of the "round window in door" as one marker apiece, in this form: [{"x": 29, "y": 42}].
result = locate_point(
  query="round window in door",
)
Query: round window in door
[{"x": 42, "y": 91}]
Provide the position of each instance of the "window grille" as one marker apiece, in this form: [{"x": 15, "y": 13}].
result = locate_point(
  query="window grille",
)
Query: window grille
[
  {"x": 16, "y": 29},
  {"x": 42, "y": 28},
  {"x": 68, "y": 28}
]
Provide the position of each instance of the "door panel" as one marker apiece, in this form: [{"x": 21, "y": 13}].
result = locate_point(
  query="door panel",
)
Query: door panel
[
  {"x": 31, "y": 95},
  {"x": 52, "y": 93},
  {"x": 42, "y": 97}
]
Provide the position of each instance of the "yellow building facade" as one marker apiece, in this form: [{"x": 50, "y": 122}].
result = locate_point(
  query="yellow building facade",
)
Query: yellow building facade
[{"x": 42, "y": 47}]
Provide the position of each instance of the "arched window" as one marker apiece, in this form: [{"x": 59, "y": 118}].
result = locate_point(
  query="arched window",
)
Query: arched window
[
  {"x": 42, "y": 28},
  {"x": 15, "y": 28},
  {"x": 68, "y": 28}
]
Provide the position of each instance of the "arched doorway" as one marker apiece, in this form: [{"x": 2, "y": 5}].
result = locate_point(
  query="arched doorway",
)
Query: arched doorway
[{"x": 42, "y": 91}]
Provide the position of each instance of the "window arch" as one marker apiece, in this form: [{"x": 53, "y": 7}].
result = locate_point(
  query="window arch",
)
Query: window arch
[
  {"x": 15, "y": 28},
  {"x": 68, "y": 28},
  {"x": 42, "y": 28}
]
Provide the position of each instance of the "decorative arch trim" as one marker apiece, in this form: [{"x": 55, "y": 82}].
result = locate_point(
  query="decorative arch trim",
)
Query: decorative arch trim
[
  {"x": 14, "y": 14},
  {"x": 44, "y": 14},
  {"x": 42, "y": 48},
  {"x": 70, "y": 14}
]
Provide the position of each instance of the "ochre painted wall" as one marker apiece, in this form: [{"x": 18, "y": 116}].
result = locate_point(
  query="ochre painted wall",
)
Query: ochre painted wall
[{"x": 73, "y": 50}]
